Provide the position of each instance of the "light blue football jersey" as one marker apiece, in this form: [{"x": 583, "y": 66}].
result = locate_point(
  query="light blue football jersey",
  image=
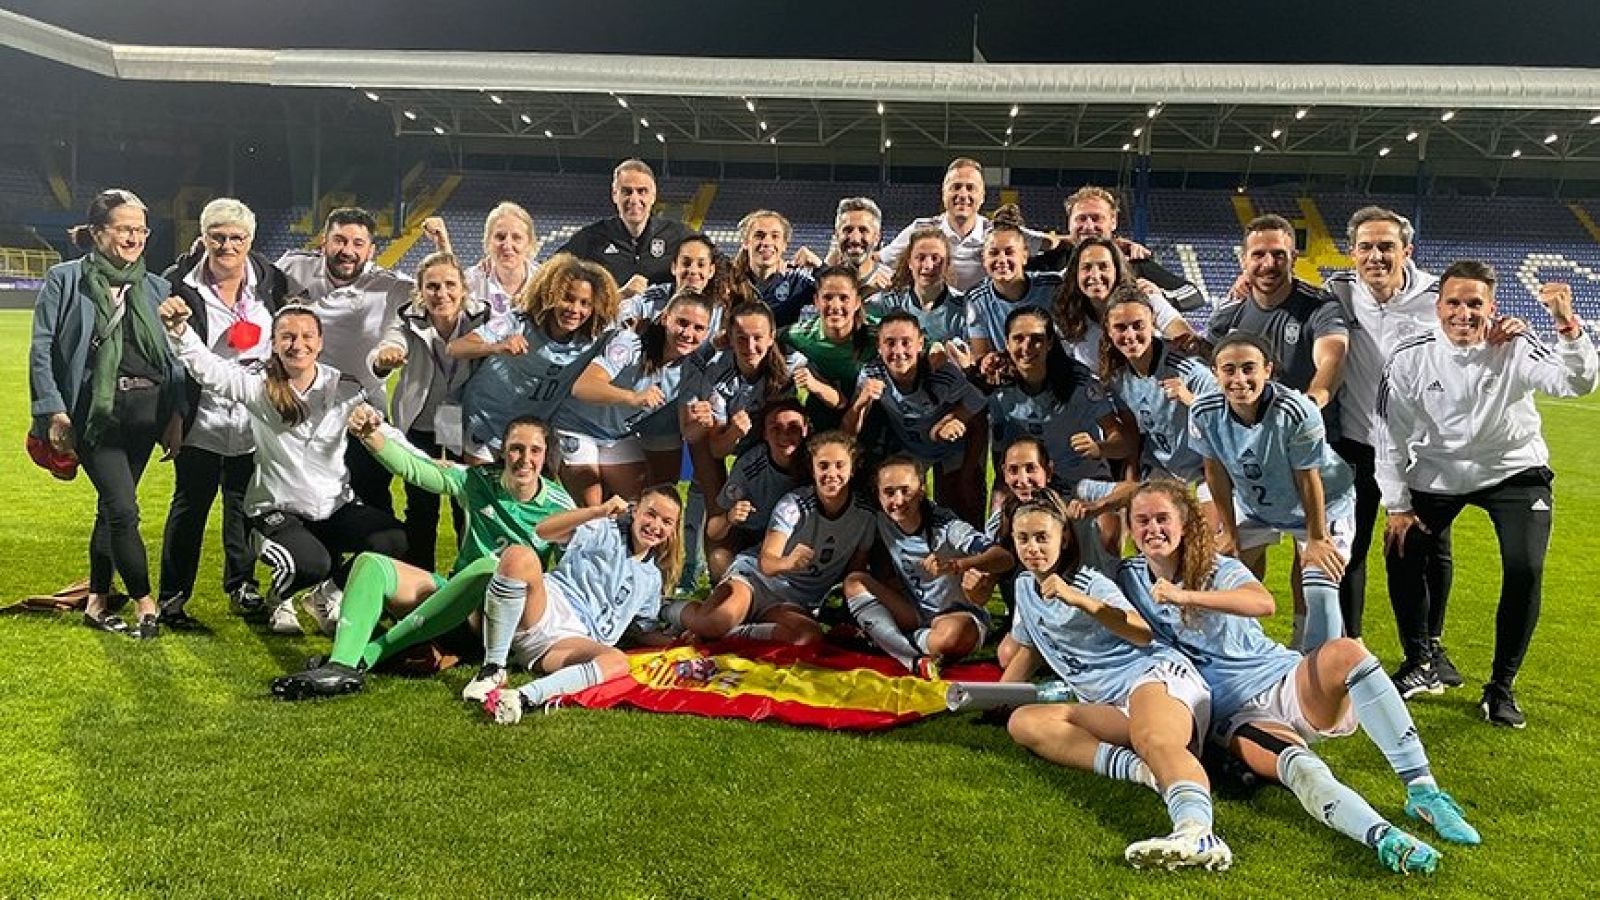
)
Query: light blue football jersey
[
  {"x": 534, "y": 384},
  {"x": 1014, "y": 412},
  {"x": 944, "y": 534},
  {"x": 654, "y": 300},
  {"x": 623, "y": 360},
  {"x": 713, "y": 376},
  {"x": 834, "y": 543},
  {"x": 604, "y": 584},
  {"x": 755, "y": 478},
  {"x": 1234, "y": 656},
  {"x": 987, "y": 310},
  {"x": 911, "y": 414},
  {"x": 1164, "y": 422},
  {"x": 945, "y": 319},
  {"x": 1261, "y": 459},
  {"x": 1096, "y": 664}
]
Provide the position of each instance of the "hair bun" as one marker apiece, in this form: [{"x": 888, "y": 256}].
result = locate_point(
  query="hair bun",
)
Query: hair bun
[{"x": 1008, "y": 216}]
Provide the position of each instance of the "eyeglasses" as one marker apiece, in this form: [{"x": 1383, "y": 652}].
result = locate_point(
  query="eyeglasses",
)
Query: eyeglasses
[
  {"x": 217, "y": 239},
  {"x": 126, "y": 231}
]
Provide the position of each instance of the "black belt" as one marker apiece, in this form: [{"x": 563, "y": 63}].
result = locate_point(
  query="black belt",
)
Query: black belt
[{"x": 135, "y": 383}]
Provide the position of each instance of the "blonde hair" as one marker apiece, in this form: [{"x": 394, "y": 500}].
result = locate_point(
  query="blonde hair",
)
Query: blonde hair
[{"x": 507, "y": 208}]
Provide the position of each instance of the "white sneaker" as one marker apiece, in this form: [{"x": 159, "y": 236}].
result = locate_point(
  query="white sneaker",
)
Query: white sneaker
[
  {"x": 490, "y": 677},
  {"x": 1188, "y": 847},
  {"x": 505, "y": 707},
  {"x": 322, "y": 604},
  {"x": 282, "y": 620}
]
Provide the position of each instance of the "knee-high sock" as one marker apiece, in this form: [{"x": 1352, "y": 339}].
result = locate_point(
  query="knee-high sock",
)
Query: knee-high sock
[
  {"x": 919, "y": 639},
  {"x": 1122, "y": 764},
  {"x": 1326, "y": 799},
  {"x": 565, "y": 680},
  {"x": 1324, "y": 621},
  {"x": 878, "y": 622},
  {"x": 372, "y": 580},
  {"x": 1385, "y": 719},
  {"x": 502, "y": 612},
  {"x": 448, "y": 607},
  {"x": 1188, "y": 803}
]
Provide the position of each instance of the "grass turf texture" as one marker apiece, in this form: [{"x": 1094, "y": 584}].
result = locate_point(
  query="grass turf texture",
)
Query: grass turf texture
[{"x": 165, "y": 769}]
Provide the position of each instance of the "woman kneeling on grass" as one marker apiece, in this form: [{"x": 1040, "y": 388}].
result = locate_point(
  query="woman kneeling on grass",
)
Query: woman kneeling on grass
[
  {"x": 1131, "y": 693},
  {"x": 504, "y": 504},
  {"x": 1269, "y": 702},
  {"x": 920, "y": 615},
  {"x": 566, "y": 623},
  {"x": 817, "y": 535}
]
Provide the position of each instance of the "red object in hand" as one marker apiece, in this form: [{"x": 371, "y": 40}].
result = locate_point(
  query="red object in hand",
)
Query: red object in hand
[
  {"x": 62, "y": 465},
  {"x": 243, "y": 335}
]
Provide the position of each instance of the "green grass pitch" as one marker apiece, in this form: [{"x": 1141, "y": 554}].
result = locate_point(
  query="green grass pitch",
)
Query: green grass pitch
[{"x": 166, "y": 770}]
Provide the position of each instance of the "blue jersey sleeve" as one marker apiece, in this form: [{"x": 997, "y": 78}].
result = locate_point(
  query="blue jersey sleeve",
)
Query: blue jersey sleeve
[
  {"x": 1306, "y": 439},
  {"x": 622, "y": 351},
  {"x": 1230, "y": 574},
  {"x": 786, "y": 515}
]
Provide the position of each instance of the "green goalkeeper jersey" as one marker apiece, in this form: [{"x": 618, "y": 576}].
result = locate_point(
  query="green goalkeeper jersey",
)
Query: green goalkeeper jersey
[{"x": 495, "y": 519}]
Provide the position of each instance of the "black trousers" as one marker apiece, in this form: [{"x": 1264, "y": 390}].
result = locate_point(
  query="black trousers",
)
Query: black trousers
[
  {"x": 1353, "y": 589},
  {"x": 422, "y": 509},
  {"x": 197, "y": 476},
  {"x": 368, "y": 478},
  {"x": 1520, "y": 510},
  {"x": 302, "y": 552},
  {"x": 114, "y": 466}
]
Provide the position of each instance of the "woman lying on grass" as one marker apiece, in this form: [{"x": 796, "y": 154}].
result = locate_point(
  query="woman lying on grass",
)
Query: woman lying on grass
[
  {"x": 504, "y": 503},
  {"x": 565, "y": 623},
  {"x": 1268, "y": 702},
  {"x": 1131, "y": 693}
]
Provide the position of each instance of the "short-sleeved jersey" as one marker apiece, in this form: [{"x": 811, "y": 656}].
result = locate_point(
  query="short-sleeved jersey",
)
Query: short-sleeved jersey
[
  {"x": 713, "y": 376},
  {"x": 754, "y": 477},
  {"x": 834, "y": 542},
  {"x": 987, "y": 309},
  {"x": 1164, "y": 422},
  {"x": 1087, "y": 348},
  {"x": 945, "y": 319},
  {"x": 534, "y": 384},
  {"x": 791, "y": 294},
  {"x": 1096, "y": 664},
  {"x": 942, "y": 534},
  {"x": 1015, "y": 412},
  {"x": 1291, "y": 329},
  {"x": 836, "y": 362},
  {"x": 1234, "y": 656},
  {"x": 623, "y": 360},
  {"x": 911, "y": 414},
  {"x": 1261, "y": 459},
  {"x": 607, "y": 587}
]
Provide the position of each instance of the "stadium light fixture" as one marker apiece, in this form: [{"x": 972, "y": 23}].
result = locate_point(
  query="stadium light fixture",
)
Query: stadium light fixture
[
  {"x": 495, "y": 99},
  {"x": 372, "y": 95},
  {"x": 1383, "y": 151},
  {"x": 762, "y": 125},
  {"x": 1516, "y": 153},
  {"x": 1595, "y": 119},
  {"x": 1239, "y": 189},
  {"x": 548, "y": 133},
  {"x": 438, "y": 129},
  {"x": 880, "y": 107},
  {"x": 410, "y": 115},
  {"x": 1126, "y": 147},
  {"x": 773, "y": 139},
  {"x": 1009, "y": 129},
  {"x": 1256, "y": 149},
  {"x": 661, "y": 138},
  {"x": 1277, "y": 133},
  {"x": 1152, "y": 112},
  {"x": 622, "y": 102},
  {"x": 643, "y": 122},
  {"x": 1301, "y": 113},
  {"x": 1138, "y": 131},
  {"x": 1411, "y": 136},
  {"x": 526, "y": 119},
  {"x": 750, "y": 105},
  {"x": 887, "y": 143},
  {"x": 1014, "y": 110},
  {"x": 1551, "y": 138},
  {"x": 1447, "y": 115}
]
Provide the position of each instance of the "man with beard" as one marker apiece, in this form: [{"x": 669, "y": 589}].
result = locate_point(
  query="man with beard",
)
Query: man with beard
[
  {"x": 636, "y": 247},
  {"x": 1092, "y": 213},
  {"x": 356, "y": 300},
  {"x": 857, "y": 231}
]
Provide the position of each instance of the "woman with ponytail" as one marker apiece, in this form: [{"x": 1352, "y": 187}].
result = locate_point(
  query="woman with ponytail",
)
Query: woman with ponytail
[
  {"x": 104, "y": 389},
  {"x": 300, "y": 502}
]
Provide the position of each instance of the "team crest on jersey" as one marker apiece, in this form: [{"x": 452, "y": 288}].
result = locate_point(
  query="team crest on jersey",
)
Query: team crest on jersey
[
  {"x": 1291, "y": 333},
  {"x": 569, "y": 444},
  {"x": 1252, "y": 471},
  {"x": 782, "y": 293},
  {"x": 618, "y": 353},
  {"x": 658, "y": 247},
  {"x": 1094, "y": 391}
]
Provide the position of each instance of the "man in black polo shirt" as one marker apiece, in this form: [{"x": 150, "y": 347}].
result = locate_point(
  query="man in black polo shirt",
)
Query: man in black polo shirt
[
  {"x": 634, "y": 246},
  {"x": 1092, "y": 212}
]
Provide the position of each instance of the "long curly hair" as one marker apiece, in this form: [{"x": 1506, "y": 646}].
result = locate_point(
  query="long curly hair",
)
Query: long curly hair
[
  {"x": 538, "y": 298},
  {"x": 1197, "y": 555},
  {"x": 1073, "y": 308}
]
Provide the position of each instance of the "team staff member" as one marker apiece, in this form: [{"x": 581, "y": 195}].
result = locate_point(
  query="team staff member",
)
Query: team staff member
[
  {"x": 1092, "y": 213},
  {"x": 634, "y": 246},
  {"x": 1386, "y": 300},
  {"x": 509, "y": 246},
  {"x": 104, "y": 387},
  {"x": 355, "y": 300},
  {"x": 962, "y": 194},
  {"x": 857, "y": 232},
  {"x": 232, "y": 292},
  {"x": 1462, "y": 429}
]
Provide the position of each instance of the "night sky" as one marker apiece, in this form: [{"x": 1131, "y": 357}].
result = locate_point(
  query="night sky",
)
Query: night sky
[{"x": 1438, "y": 32}]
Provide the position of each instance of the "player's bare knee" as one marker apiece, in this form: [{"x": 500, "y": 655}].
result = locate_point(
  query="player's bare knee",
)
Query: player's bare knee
[{"x": 519, "y": 562}]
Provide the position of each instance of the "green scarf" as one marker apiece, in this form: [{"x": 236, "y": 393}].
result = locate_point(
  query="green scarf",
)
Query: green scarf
[{"x": 100, "y": 277}]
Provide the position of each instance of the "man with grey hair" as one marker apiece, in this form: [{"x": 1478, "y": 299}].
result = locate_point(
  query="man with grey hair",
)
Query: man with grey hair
[
  {"x": 634, "y": 245},
  {"x": 232, "y": 292},
  {"x": 1387, "y": 300},
  {"x": 857, "y": 231}
]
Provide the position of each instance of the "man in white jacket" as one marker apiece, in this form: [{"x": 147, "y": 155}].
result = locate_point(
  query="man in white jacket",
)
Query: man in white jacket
[{"x": 1461, "y": 428}]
